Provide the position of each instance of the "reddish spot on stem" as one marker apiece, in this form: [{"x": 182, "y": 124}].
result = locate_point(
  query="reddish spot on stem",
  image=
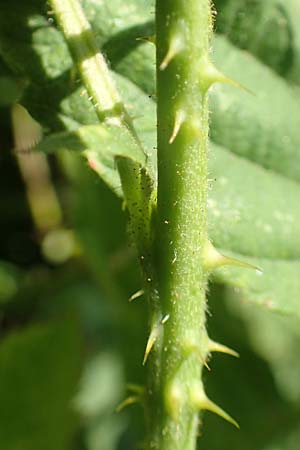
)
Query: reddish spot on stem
[{"x": 92, "y": 164}]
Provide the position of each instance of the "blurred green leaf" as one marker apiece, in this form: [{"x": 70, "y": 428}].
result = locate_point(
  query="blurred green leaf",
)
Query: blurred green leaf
[
  {"x": 276, "y": 288},
  {"x": 252, "y": 211},
  {"x": 101, "y": 390},
  {"x": 262, "y": 127},
  {"x": 10, "y": 278},
  {"x": 39, "y": 369},
  {"x": 268, "y": 29},
  {"x": 276, "y": 339},
  {"x": 10, "y": 91},
  {"x": 289, "y": 440}
]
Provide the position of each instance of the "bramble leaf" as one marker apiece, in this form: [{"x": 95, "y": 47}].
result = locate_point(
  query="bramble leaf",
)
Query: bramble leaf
[
  {"x": 100, "y": 144},
  {"x": 253, "y": 202},
  {"x": 276, "y": 287},
  {"x": 269, "y": 30}
]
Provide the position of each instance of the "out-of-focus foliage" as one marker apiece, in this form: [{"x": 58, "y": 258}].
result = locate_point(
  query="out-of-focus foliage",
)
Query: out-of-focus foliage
[{"x": 69, "y": 339}]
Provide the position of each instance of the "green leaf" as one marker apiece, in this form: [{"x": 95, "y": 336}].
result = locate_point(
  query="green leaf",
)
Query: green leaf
[
  {"x": 262, "y": 127},
  {"x": 252, "y": 211},
  {"x": 100, "y": 144},
  {"x": 10, "y": 278},
  {"x": 101, "y": 389},
  {"x": 276, "y": 339},
  {"x": 267, "y": 29},
  {"x": 39, "y": 368},
  {"x": 276, "y": 288}
]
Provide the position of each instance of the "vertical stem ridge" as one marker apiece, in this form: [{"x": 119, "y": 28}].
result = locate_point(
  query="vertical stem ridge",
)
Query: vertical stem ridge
[{"x": 183, "y": 29}]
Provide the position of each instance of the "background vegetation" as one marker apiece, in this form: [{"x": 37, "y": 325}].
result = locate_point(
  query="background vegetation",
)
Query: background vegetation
[{"x": 70, "y": 342}]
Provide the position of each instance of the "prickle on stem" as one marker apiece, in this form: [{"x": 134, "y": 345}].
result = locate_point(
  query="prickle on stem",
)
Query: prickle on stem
[
  {"x": 201, "y": 402},
  {"x": 216, "y": 347},
  {"x": 210, "y": 75},
  {"x": 136, "y": 295},
  {"x": 180, "y": 117},
  {"x": 212, "y": 259},
  {"x": 154, "y": 334},
  {"x": 176, "y": 46}
]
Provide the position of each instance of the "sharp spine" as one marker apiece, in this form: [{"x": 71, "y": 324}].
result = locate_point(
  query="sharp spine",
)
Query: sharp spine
[
  {"x": 202, "y": 402},
  {"x": 216, "y": 347},
  {"x": 176, "y": 46},
  {"x": 151, "y": 39},
  {"x": 136, "y": 295},
  {"x": 151, "y": 340},
  {"x": 210, "y": 75},
  {"x": 180, "y": 117},
  {"x": 212, "y": 259},
  {"x": 127, "y": 402}
]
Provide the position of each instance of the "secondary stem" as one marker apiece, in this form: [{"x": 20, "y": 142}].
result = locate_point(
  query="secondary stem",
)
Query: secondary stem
[
  {"x": 183, "y": 30},
  {"x": 109, "y": 108},
  {"x": 177, "y": 280}
]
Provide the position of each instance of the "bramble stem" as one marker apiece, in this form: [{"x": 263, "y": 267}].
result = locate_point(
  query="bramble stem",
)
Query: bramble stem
[
  {"x": 183, "y": 29},
  {"x": 174, "y": 266},
  {"x": 108, "y": 106}
]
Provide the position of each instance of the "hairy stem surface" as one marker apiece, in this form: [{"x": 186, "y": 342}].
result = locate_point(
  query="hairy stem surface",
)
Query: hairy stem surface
[{"x": 183, "y": 29}]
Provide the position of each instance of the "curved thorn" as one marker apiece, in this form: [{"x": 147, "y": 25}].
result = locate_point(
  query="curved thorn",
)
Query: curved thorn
[
  {"x": 211, "y": 406},
  {"x": 202, "y": 402},
  {"x": 201, "y": 358},
  {"x": 127, "y": 402},
  {"x": 136, "y": 295},
  {"x": 179, "y": 119},
  {"x": 216, "y": 347},
  {"x": 176, "y": 46},
  {"x": 210, "y": 75},
  {"x": 190, "y": 347},
  {"x": 212, "y": 259},
  {"x": 221, "y": 78},
  {"x": 151, "y": 341},
  {"x": 150, "y": 39}
]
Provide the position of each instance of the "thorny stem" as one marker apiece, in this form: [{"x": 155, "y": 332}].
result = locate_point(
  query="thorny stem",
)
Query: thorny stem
[
  {"x": 176, "y": 263},
  {"x": 183, "y": 29}
]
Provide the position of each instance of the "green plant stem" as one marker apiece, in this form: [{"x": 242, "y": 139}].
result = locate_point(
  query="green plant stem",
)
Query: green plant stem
[
  {"x": 109, "y": 108},
  {"x": 183, "y": 29},
  {"x": 176, "y": 283}
]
